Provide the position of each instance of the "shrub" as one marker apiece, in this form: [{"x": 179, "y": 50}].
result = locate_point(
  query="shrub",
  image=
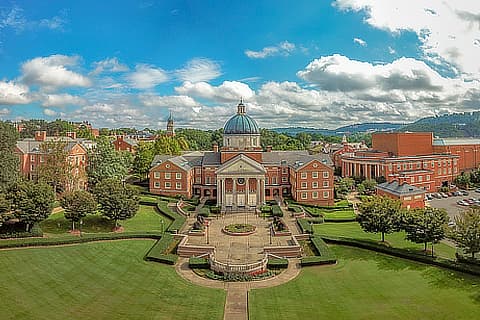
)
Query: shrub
[
  {"x": 178, "y": 220},
  {"x": 316, "y": 261},
  {"x": 316, "y": 220},
  {"x": 215, "y": 210},
  {"x": 305, "y": 226},
  {"x": 198, "y": 263},
  {"x": 277, "y": 211},
  {"x": 276, "y": 263},
  {"x": 204, "y": 211},
  {"x": 266, "y": 209},
  {"x": 162, "y": 250},
  {"x": 295, "y": 208}
]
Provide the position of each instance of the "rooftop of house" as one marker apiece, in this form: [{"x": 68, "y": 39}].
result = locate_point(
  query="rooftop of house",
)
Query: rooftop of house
[{"x": 398, "y": 189}]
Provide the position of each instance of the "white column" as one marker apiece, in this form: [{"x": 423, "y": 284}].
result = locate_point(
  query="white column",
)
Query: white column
[
  {"x": 262, "y": 191},
  {"x": 247, "y": 191},
  {"x": 258, "y": 192},
  {"x": 219, "y": 193},
  {"x": 234, "y": 192},
  {"x": 223, "y": 192}
]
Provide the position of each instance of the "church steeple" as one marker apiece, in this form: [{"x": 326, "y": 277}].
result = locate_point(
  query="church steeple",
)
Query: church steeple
[
  {"x": 170, "y": 130},
  {"x": 241, "y": 107}
]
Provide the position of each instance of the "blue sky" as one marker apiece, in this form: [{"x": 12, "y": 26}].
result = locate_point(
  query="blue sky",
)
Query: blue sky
[{"x": 316, "y": 63}]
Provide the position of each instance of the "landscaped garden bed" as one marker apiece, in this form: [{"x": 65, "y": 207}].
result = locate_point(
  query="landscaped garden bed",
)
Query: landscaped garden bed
[{"x": 239, "y": 229}]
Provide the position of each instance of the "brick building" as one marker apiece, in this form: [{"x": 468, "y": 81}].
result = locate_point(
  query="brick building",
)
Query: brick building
[
  {"x": 31, "y": 157},
  {"x": 410, "y": 196},
  {"x": 125, "y": 144},
  {"x": 409, "y": 157},
  {"x": 241, "y": 174}
]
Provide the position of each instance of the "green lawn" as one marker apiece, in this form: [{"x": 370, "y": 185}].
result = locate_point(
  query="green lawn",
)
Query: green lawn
[
  {"x": 146, "y": 219},
  {"x": 397, "y": 239},
  {"x": 369, "y": 285},
  {"x": 108, "y": 280}
]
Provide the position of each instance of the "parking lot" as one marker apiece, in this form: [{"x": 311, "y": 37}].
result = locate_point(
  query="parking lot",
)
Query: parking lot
[{"x": 450, "y": 203}]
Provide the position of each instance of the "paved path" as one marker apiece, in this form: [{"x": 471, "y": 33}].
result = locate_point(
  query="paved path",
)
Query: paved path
[{"x": 236, "y": 304}]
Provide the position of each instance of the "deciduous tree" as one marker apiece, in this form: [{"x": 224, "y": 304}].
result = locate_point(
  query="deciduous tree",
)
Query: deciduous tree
[
  {"x": 466, "y": 232},
  {"x": 54, "y": 168},
  {"x": 380, "y": 214},
  {"x": 9, "y": 167},
  {"x": 78, "y": 204}
]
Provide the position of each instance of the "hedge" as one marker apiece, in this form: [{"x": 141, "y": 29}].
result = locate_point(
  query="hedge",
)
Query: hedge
[
  {"x": 277, "y": 263},
  {"x": 266, "y": 209},
  {"x": 204, "y": 211},
  {"x": 178, "y": 219},
  {"x": 339, "y": 219},
  {"x": 304, "y": 225},
  {"x": 198, "y": 263},
  {"x": 405, "y": 254},
  {"x": 316, "y": 261},
  {"x": 162, "y": 250},
  {"x": 277, "y": 211},
  {"x": 316, "y": 220},
  {"x": 295, "y": 208},
  {"x": 41, "y": 242},
  {"x": 322, "y": 248}
]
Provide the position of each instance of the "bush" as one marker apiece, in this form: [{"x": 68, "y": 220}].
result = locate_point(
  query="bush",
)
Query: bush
[
  {"x": 215, "y": 210},
  {"x": 276, "y": 263},
  {"x": 316, "y": 261},
  {"x": 204, "y": 211},
  {"x": 277, "y": 211},
  {"x": 305, "y": 226},
  {"x": 316, "y": 220},
  {"x": 266, "y": 209},
  {"x": 178, "y": 220},
  {"x": 162, "y": 250},
  {"x": 295, "y": 208},
  {"x": 198, "y": 263}
]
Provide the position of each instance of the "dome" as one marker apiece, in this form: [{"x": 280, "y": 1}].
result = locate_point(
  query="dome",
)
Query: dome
[{"x": 241, "y": 123}]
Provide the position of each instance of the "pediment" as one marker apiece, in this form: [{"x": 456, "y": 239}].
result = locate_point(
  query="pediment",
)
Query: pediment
[{"x": 241, "y": 165}]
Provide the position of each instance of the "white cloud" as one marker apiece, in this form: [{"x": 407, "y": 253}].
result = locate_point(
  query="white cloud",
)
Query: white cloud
[
  {"x": 51, "y": 72},
  {"x": 359, "y": 41},
  {"x": 391, "y": 50},
  {"x": 169, "y": 101},
  {"x": 448, "y": 30},
  {"x": 4, "y": 112},
  {"x": 199, "y": 69},
  {"x": 284, "y": 48},
  {"x": 61, "y": 100},
  {"x": 13, "y": 93},
  {"x": 227, "y": 91},
  {"x": 146, "y": 76},
  {"x": 13, "y": 18},
  {"x": 109, "y": 65},
  {"x": 50, "y": 112}
]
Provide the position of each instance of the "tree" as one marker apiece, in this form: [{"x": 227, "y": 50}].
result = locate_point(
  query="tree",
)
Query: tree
[
  {"x": 55, "y": 169},
  {"x": 117, "y": 201},
  {"x": 345, "y": 186},
  {"x": 380, "y": 214},
  {"x": 463, "y": 180},
  {"x": 31, "y": 201},
  {"x": 170, "y": 145},
  {"x": 466, "y": 232},
  {"x": 423, "y": 225},
  {"x": 78, "y": 204},
  {"x": 9, "y": 161},
  {"x": 104, "y": 162},
  {"x": 367, "y": 187},
  {"x": 143, "y": 158}
]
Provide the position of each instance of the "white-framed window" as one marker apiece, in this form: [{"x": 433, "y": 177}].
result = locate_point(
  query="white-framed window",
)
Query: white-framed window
[
  {"x": 315, "y": 174},
  {"x": 168, "y": 185},
  {"x": 304, "y": 185},
  {"x": 449, "y": 170},
  {"x": 419, "y": 165},
  {"x": 399, "y": 166},
  {"x": 207, "y": 180},
  {"x": 178, "y": 185},
  {"x": 315, "y": 165},
  {"x": 303, "y": 175},
  {"x": 315, "y": 195},
  {"x": 428, "y": 177},
  {"x": 157, "y": 185},
  {"x": 418, "y": 197},
  {"x": 407, "y": 198},
  {"x": 412, "y": 179},
  {"x": 314, "y": 184},
  {"x": 326, "y": 194},
  {"x": 284, "y": 179},
  {"x": 168, "y": 175},
  {"x": 284, "y": 170},
  {"x": 178, "y": 175},
  {"x": 304, "y": 195},
  {"x": 167, "y": 166},
  {"x": 32, "y": 168},
  {"x": 325, "y": 174},
  {"x": 267, "y": 180},
  {"x": 156, "y": 175},
  {"x": 439, "y": 172},
  {"x": 444, "y": 170},
  {"x": 42, "y": 159},
  {"x": 420, "y": 178},
  {"x": 274, "y": 180},
  {"x": 198, "y": 180},
  {"x": 325, "y": 184},
  {"x": 433, "y": 163},
  {"x": 32, "y": 158}
]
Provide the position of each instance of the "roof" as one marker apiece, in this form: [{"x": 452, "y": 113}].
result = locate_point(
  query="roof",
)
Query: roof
[
  {"x": 295, "y": 159},
  {"x": 241, "y": 124},
  {"x": 131, "y": 142},
  {"x": 455, "y": 141},
  {"x": 211, "y": 158},
  {"x": 33, "y": 146},
  {"x": 399, "y": 189}
]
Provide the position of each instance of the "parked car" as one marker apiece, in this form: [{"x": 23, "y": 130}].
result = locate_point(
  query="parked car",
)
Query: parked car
[
  {"x": 450, "y": 194},
  {"x": 451, "y": 224},
  {"x": 463, "y": 192},
  {"x": 477, "y": 190},
  {"x": 429, "y": 196},
  {"x": 436, "y": 195},
  {"x": 444, "y": 195},
  {"x": 463, "y": 203}
]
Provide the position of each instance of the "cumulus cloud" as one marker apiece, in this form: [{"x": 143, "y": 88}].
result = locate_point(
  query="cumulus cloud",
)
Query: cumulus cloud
[
  {"x": 14, "y": 18},
  {"x": 199, "y": 69},
  {"x": 168, "y": 101},
  {"x": 453, "y": 46},
  {"x": 4, "y": 112},
  {"x": 227, "y": 91},
  {"x": 52, "y": 72},
  {"x": 360, "y": 42},
  {"x": 50, "y": 112},
  {"x": 147, "y": 76},
  {"x": 109, "y": 65},
  {"x": 284, "y": 48},
  {"x": 13, "y": 93},
  {"x": 61, "y": 100}
]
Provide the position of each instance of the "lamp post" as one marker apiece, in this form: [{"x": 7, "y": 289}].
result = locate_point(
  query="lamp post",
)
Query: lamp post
[
  {"x": 270, "y": 233},
  {"x": 161, "y": 224},
  {"x": 81, "y": 224}
]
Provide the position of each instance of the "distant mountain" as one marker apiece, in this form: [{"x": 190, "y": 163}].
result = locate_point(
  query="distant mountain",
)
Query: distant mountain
[
  {"x": 355, "y": 128},
  {"x": 465, "y": 124}
]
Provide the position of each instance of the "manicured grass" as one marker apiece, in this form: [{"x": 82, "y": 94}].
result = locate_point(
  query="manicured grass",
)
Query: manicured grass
[
  {"x": 396, "y": 239},
  {"x": 146, "y": 219},
  {"x": 369, "y": 285},
  {"x": 108, "y": 280}
]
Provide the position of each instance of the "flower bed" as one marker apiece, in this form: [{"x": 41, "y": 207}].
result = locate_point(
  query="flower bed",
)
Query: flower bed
[{"x": 239, "y": 229}]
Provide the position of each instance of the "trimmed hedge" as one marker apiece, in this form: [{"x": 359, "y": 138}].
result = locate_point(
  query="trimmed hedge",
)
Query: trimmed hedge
[
  {"x": 276, "y": 263},
  {"x": 198, "y": 263},
  {"x": 162, "y": 250},
  {"x": 266, "y": 209},
  {"x": 316, "y": 220},
  {"x": 305, "y": 226},
  {"x": 325, "y": 255},
  {"x": 339, "y": 219},
  {"x": 204, "y": 211},
  {"x": 295, "y": 208},
  {"x": 277, "y": 211},
  {"x": 178, "y": 219},
  {"x": 316, "y": 261},
  {"x": 406, "y": 254}
]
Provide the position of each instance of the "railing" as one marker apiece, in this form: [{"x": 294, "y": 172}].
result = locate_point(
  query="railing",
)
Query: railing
[{"x": 247, "y": 268}]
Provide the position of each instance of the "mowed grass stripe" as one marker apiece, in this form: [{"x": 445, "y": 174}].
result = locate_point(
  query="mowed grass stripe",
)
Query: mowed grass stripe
[
  {"x": 99, "y": 281},
  {"x": 369, "y": 285}
]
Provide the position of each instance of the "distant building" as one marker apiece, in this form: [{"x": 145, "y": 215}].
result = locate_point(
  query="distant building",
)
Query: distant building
[
  {"x": 32, "y": 157},
  {"x": 241, "y": 174},
  {"x": 347, "y": 148},
  {"x": 125, "y": 144},
  {"x": 410, "y": 196},
  {"x": 170, "y": 129}
]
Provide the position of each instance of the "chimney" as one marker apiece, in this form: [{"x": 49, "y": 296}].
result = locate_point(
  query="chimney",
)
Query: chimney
[
  {"x": 215, "y": 147},
  {"x": 269, "y": 149},
  {"x": 40, "y": 135},
  {"x": 72, "y": 135}
]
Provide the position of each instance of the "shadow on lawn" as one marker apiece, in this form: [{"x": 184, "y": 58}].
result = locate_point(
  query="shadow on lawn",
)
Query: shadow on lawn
[{"x": 92, "y": 223}]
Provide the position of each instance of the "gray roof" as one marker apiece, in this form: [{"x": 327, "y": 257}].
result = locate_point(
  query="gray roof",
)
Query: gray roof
[
  {"x": 131, "y": 142},
  {"x": 33, "y": 146},
  {"x": 455, "y": 141},
  {"x": 211, "y": 158},
  {"x": 399, "y": 189},
  {"x": 159, "y": 158},
  {"x": 294, "y": 158}
]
